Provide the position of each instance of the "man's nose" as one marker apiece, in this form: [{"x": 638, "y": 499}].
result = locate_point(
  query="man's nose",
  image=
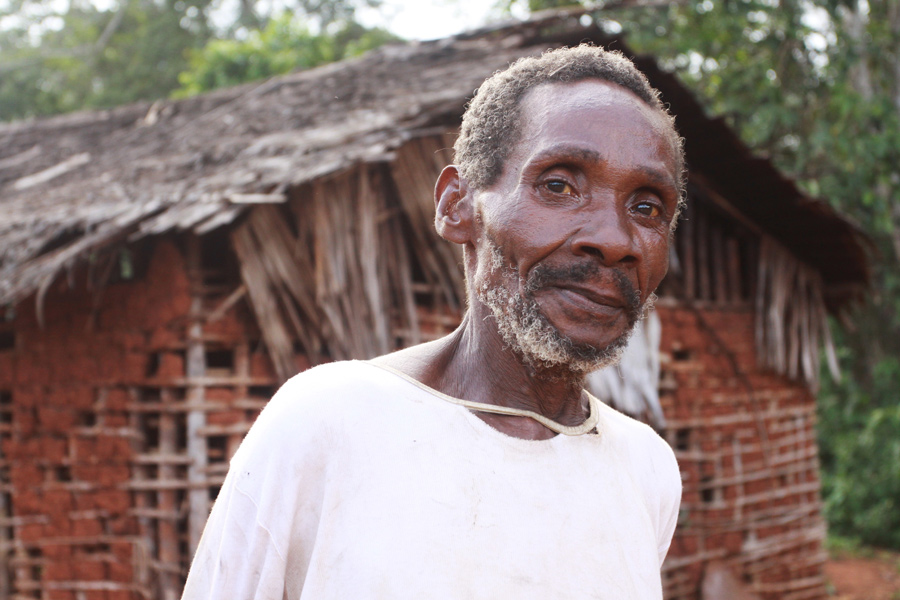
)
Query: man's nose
[{"x": 606, "y": 235}]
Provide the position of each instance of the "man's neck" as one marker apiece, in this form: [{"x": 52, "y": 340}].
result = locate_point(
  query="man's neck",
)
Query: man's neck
[{"x": 474, "y": 363}]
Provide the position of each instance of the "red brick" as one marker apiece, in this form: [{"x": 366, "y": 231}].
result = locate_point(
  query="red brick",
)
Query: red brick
[
  {"x": 30, "y": 532},
  {"x": 80, "y": 397},
  {"x": 85, "y": 472},
  {"x": 115, "y": 501},
  {"x": 58, "y": 552},
  {"x": 86, "y": 527},
  {"x": 26, "y": 421},
  {"x": 31, "y": 372},
  {"x": 29, "y": 501},
  {"x": 24, "y": 476},
  {"x": 110, "y": 475},
  {"x": 54, "y": 449},
  {"x": 129, "y": 340},
  {"x": 122, "y": 525},
  {"x": 260, "y": 365},
  {"x": 734, "y": 542},
  {"x": 58, "y": 501},
  {"x": 117, "y": 399},
  {"x": 86, "y": 500},
  {"x": 219, "y": 394},
  {"x": 90, "y": 570},
  {"x": 123, "y": 551},
  {"x": 85, "y": 450},
  {"x": 57, "y": 571},
  {"x": 7, "y": 375},
  {"x": 171, "y": 366},
  {"x": 225, "y": 417},
  {"x": 131, "y": 366},
  {"x": 79, "y": 367},
  {"x": 113, "y": 447},
  {"x": 60, "y": 525},
  {"x": 115, "y": 420},
  {"x": 120, "y": 571},
  {"x": 164, "y": 338}
]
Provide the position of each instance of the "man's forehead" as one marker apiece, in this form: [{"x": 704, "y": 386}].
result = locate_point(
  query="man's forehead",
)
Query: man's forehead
[
  {"x": 549, "y": 108},
  {"x": 586, "y": 94}
]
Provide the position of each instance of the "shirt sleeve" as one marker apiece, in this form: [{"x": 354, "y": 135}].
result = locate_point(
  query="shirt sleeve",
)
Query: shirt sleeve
[
  {"x": 670, "y": 501},
  {"x": 260, "y": 535},
  {"x": 236, "y": 557}
]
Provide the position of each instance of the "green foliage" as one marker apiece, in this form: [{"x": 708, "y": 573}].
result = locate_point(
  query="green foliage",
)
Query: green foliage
[
  {"x": 860, "y": 431},
  {"x": 839, "y": 546},
  {"x": 62, "y": 56},
  {"x": 284, "y": 45},
  {"x": 85, "y": 58}
]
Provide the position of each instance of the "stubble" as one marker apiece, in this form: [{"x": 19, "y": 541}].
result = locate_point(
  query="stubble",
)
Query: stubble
[{"x": 529, "y": 333}]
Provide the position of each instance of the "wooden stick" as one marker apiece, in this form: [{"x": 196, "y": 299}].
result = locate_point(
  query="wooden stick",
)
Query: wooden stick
[{"x": 198, "y": 497}]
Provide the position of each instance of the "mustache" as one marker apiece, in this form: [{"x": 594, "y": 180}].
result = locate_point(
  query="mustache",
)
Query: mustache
[{"x": 548, "y": 276}]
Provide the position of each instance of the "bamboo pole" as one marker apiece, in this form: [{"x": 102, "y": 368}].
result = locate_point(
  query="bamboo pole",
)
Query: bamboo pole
[
  {"x": 167, "y": 529},
  {"x": 718, "y": 265},
  {"x": 198, "y": 497},
  {"x": 703, "y": 262},
  {"x": 688, "y": 250},
  {"x": 6, "y": 538}
]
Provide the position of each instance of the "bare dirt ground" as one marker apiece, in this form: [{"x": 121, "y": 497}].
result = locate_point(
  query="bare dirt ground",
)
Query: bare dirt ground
[{"x": 865, "y": 578}]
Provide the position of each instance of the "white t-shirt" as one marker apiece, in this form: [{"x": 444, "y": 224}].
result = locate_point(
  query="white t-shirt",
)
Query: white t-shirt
[{"x": 356, "y": 483}]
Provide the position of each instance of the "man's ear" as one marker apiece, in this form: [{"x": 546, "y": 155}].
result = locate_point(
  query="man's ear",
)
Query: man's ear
[{"x": 453, "y": 216}]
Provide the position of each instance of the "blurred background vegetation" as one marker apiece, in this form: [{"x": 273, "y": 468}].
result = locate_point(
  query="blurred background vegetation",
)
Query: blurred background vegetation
[{"x": 812, "y": 84}]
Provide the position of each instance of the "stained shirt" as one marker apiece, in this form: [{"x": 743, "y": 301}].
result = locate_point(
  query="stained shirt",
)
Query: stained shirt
[{"x": 358, "y": 483}]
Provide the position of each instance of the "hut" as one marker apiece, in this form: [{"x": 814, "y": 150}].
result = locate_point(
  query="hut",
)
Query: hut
[{"x": 164, "y": 267}]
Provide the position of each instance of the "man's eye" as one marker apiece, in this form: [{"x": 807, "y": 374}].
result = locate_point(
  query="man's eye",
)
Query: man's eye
[
  {"x": 559, "y": 187},
  {"x": 647, "y": 209}
]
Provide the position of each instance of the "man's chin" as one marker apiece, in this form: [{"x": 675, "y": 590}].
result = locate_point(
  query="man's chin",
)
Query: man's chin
[
  {"x": 549, "y": 350},
  {"x": 531, "y": 334}
]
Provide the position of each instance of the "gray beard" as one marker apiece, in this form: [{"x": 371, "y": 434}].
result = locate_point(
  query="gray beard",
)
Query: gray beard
[{"x": 526, "y": 330}]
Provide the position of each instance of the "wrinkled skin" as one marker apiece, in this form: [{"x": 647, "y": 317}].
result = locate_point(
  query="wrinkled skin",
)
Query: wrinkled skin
[{"x": 580, "y": 222}]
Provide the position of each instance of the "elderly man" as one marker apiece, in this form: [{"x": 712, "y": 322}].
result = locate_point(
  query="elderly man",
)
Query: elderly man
[{"x": 476, "y": 466}]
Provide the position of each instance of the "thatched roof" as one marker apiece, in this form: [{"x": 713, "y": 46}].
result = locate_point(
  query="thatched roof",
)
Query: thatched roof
[{"x": 72, "y": 184}]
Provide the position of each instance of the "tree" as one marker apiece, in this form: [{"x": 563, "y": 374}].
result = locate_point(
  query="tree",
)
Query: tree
[
  {"x": 284, "y": 45},
  {"x": 83, "y": 57},
  {"x": 59, "y": 57}
]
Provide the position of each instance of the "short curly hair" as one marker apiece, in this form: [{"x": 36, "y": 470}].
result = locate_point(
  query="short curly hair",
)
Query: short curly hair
[{"x": 491, "y": 124}]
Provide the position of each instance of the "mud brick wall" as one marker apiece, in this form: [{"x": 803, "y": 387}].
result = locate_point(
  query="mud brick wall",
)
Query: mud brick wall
[
  {"x": 746, "y": 446},
  {"x": 97, "y": 469}
]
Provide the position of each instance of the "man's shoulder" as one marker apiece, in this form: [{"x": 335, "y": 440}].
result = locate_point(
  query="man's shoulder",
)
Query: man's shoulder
[
  {"x": 335, "y": 386},
  {"x": 637, "y": 440},
  {"x": 624, "y": 425},
  {"x": 327, "y": 405},
  {"x": 333, "y": 376}
]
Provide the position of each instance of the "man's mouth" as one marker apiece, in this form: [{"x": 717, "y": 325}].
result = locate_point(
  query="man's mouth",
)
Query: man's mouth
[
  {"x": 611, "y": 300},
  {"x": 588, "y": 288},
  {"x": 591, "y": 301}
]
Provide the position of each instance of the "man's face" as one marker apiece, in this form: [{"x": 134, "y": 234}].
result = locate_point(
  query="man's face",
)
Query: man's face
[{"x": 573, "y": 238}]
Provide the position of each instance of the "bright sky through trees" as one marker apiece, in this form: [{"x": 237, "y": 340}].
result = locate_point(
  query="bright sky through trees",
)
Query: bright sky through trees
[
  {"x": 409, "y": 19},
  {"x": 428, "y": 19}
]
